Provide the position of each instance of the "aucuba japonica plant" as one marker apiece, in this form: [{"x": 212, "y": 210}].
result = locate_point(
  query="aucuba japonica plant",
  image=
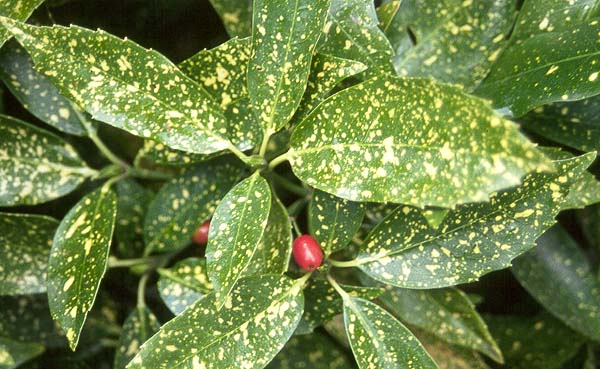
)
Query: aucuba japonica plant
[{"x": 335, "y": 184}]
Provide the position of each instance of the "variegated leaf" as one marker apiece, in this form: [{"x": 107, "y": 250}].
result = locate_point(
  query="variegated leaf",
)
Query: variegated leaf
[
  {"x": 187, "y": 201},
  {"x": 35, "y": 165},
  {"x": 235, "y": 231},
  {"x": 379, "y": 341},
  {"x": 139, "y": 326},
  {"x": 474, "y": 239},
  {"x": 183, "y": 284},
  {"x": 247, "y": 332},
  {"x": 78, "y": 259},
  {"x": 421, "y": 143},
  {"x": 25, "y": 242},
  {"x": 284, "y": 36},
  {"x": 14, "y": 353},
  {"x": 236, "y": 16},
  {"x": 386, "y": 13},
  {"x": 122, "y": 84},
  {"x": 16, "y": 9},
  {"x": 132, "y": 205},
  {"x": 315, "y": 351}
]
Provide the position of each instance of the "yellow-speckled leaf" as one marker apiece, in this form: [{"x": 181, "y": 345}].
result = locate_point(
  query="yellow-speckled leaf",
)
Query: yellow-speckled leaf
[
  {"x": 235, "y": 232},
  {"x": 236, "y": 16},
  {"x": 386, "y": 13},
  {"x": 379, "y": 341},
  {"x": 187, "y": 201},
  {"x": 315, "y": 351},
  {"x": 546, "y": 68},
  {"x": 184, "y": 283},
  {"x": 35, "y": 165},
  {"x": 16, "y": 9},
  {"x": 127, "y": 86},
  {"x": 453, "y": 41},
  {"x": 139, "y": 326},
  {"x": 561, "y": 278},
  {"x": 322, "y": 303},
  {"x": 272, "y": 255},
  {"x": 14, "y": 353},
  {"x": 411, "y": 141},
  {"x": 326, "y": 72},
  {"x": 446, "y": 313},
  {"x": 473, "y": 239},
  {"x": 544, "y": 16},
  {"x": 333, "y": 221},
  {"x": 449, "y": 356},
  {"x": 284, "y": 36},
  {"x": 132, "y": 205},
  {"x": 35, "y": 91},
  {"x": 78, "y": 259},
  {"x": 256, "y": 321},
  {"x": 352, "y": 32},
  {"x": 25, "y": 242}
]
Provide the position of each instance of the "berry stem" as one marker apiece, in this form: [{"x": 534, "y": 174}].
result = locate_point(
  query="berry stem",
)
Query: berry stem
[{"x": 295, "y": 225}]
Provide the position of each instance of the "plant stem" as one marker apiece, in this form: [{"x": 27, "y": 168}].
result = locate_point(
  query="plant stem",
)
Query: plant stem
[
  {"x": 338, "y": 288},
  {"x": 126, "y": 263},
  {"x": 295, "y": 225},
  {"x": 280, "y": 159},
  {"x": 265, "y": 142},
  {"x": 344, "y": 264},
  {"x": 289, "y": 185},
  {"x": 235, "y": 151},
  {"x": 141, "y": 289},
  {"x": 296, "y": 206},
  {"x": 148, "y": 174}
]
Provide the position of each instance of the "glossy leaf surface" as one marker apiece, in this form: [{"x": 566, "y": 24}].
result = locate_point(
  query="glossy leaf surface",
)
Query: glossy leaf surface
[
  {"x": 256, "y": 321},
  {"x": 78, "y": 259},
  {"x": 16, "y": 9},
  {"x": 400, "y": 150},
  {"x": 139, "y": 326},
  {"x": 35, "y": 165},
  {"x": 473, "y": 239},
  {"x": 25, "y": 242},
  {"x": 235, "y": 231},
  {"x": 182, "y": 284},
  {"x": 236, "y": 16}
]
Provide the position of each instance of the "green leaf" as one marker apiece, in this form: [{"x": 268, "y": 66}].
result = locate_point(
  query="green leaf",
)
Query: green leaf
[
  {"x": 139, "y": 326},
  {"x": 261, "y": 313},
  {"x": 326, "y": 72},
  {"x": 449, "y": 356},
  {"x": 559, "y": 276},
  {"x": 386, "y": 14},
  {"x": 187, "y": 201},
  {"x": 236, "y": 16},
  {"x": 575, "y": 124},
  {"x": 322, "y": 303},
  {"x": 284, "y": 36},
  {"x": 399, "y": 150},
  {"x": 455, "y": 41},
  {"x": 16, "y": 9},
  {"x": 315, "y": 351},
  {"x": 27, "y": 318},
  {"x": 378, "y": 340},
  {"x": 435, "y": 216},
  {"x": 474, "y": 239},
  {"x": 545, "y": 68},
  {"x": 35, "y": 91},
  {"x": 539, "y": 342},
  {"x": 132, "y": 204},
  {"x": 352, "y": 32},
  {"x": 272, "y": 255},
  {"x": 35, "y": 165},
  {"x": 14, "y": 353},
  {"x": 333, "y": 221},
  {"x": 159, "y": 154},
  {"x": 25, "y": 242},
  {"x": 544, "y": 16},
  {"x": 235, "y": 231},
  {"x": 122, "y": 84},
  {"x": 183, "y": 284},
  {"x": 222, "y": 72},
  {"x": 447, "y": 313},
  {"x": 78, "y": 259}
]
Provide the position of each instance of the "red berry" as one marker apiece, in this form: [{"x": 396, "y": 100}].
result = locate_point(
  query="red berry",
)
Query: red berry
[
  {"x": 201, "y": 235},
  {"x": 307, "y": 253}
]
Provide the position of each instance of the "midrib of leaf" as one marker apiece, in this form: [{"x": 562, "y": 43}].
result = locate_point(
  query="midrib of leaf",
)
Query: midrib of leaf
[
  {"x": 173, "y": 277},
  {"x": 560, "y": 62},
  {"x": 367, "y": 325},
  {"x": 381, "y": 255},
  {"x": 85, "y": 257},
  {"x": 235, "y": 329},
  {"x": 154, "y": 98},
  {"x": 59, "y": 167},
  {"x": 412, "y": 52},
  {"x": 280, "y": 82}
]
